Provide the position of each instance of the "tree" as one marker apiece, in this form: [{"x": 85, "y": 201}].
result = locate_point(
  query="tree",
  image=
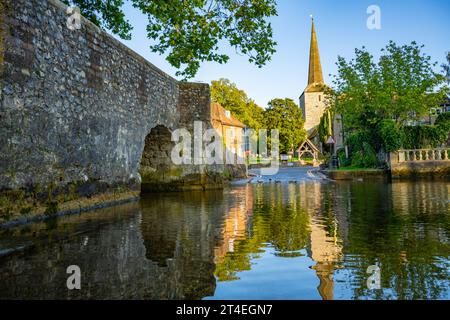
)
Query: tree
[
  {"x": 377, "y": 99},
  {"x": 446, "y": 67},
  {"x": 325, "y": 129},
  {"x": 399, "y": 87},
  {"x": 189, "y": 31},
  {"x": 228, "y": 95},
  {"x": 286, "y": 116}
]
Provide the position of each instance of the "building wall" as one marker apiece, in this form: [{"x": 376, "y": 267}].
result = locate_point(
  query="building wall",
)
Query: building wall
[
  {"x": 338, "y": 132},
  {"x": 234, "y": 139},
  {"x": 313, "y": 107},
  {"x": 235, "y": 144}
]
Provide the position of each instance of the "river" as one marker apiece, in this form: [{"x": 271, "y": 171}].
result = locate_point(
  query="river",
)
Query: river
[{"x": 295, "y": 235}]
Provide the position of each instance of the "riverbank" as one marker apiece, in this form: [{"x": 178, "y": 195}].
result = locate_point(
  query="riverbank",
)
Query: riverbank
[
  {"x": 356, "y": 174},
  {"x": 380, "y": 174},
  {"x": 17, "y": 209},
  {"x": 41, "y": 212}
]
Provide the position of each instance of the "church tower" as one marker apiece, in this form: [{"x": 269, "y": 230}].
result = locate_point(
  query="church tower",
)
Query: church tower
[{"x": 312, "y": 100}]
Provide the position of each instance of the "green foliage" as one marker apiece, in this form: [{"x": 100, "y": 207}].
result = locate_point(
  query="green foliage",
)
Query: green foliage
[
  {"x": 105, "y": 14},
  {"x": 391, "y": 135},
  {"x": 425, "y": 136},
  {"x": 366, "y": 157},
  {"x": 446, "y": 67},
  {"x": 356, "y": 139},
  {"x": 282, "y": 114},
  {"x": 343, "y": 160},
  {"x": 228, "y": 95},
  {"x": 326, "y": 125},
  {"x": 377, "y": 98},
  {"x": 286, "y": 116},
  {"x": 189, "y": 31},
  {"x": 399, "y": 86},
  {"x": 443, "y": 120},
  {"x": 362, "y": 146}
]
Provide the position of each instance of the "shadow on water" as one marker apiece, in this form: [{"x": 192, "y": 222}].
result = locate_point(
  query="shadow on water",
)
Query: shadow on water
[{"x": 309, "y": 240}]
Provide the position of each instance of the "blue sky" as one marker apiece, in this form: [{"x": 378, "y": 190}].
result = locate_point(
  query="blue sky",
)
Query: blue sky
[{"x": 340, "y": 26}]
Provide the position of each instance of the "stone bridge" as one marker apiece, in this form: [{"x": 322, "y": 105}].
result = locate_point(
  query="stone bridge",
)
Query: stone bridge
[{"x": 80, "y": 113}]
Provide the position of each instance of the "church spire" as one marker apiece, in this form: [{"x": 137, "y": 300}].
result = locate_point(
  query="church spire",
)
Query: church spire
[{"x": 315, "y": 68}]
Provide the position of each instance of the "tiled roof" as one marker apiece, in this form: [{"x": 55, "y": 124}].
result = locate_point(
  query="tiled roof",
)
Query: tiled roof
[{"x": 218, "y": 113}]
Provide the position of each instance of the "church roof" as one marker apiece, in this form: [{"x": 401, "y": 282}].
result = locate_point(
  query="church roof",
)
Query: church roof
[
  {"x": 307, "y": 145},
  {"x": 315, "y": 75},
  {"x": 316, "y": 87}
]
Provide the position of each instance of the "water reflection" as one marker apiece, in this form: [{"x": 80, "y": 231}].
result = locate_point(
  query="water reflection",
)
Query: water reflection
[{"x": 310, "y": 240}]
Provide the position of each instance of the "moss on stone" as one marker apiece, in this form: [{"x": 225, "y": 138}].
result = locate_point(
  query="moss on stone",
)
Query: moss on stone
[
  {"x": 172, "y": 173},
  {"x": 72, "y": 192},
  {"x": 14, "y": 202},
  {"x": 54, "y": 198},
  {"x": 74, "y": 206},
  {"x": 51, "y": 209},
  {"x": 422, "y": 173},
  {"x": 175, "y": 172},
  {"x": 193, "y": 181}
]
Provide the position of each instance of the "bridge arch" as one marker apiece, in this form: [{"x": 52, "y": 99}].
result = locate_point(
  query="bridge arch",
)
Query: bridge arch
[{"x": 156, "y": 167}]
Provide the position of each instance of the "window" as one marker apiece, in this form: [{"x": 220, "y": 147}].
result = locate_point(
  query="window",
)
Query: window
[
  {"x": 320, "y": 97},
  {"x": 228, "y": 113}
]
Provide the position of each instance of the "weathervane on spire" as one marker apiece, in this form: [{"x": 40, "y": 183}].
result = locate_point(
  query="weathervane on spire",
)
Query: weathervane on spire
[{"x": 311, "y": 16}]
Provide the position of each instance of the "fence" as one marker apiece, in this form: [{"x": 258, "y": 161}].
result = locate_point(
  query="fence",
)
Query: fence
[{"x": 423, "y": 155}]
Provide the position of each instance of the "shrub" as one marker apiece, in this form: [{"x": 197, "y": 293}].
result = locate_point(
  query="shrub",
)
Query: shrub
[
  {"x": 365, "y": 158},
  {"x": 443, "y": 123},
  {"x": 391, "y": 135},
  {"x": 343, "y": 160},
  {"x": 443, "y": 119},
  {"x": 426, "y": 136},
  {"x": 356, "y": 139}
]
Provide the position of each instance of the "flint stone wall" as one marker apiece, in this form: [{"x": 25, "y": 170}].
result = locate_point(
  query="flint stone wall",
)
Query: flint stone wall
[{"x": 77, "y": 105}]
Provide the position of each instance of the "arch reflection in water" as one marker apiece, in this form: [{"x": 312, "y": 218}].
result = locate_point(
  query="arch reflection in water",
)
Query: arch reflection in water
[
  {"x": 309, "y": 240},
  {"x": 160, "y": 248}
]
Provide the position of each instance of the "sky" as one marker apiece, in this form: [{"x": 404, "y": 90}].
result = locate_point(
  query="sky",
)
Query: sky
[{"x": 341, "y": 26}]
